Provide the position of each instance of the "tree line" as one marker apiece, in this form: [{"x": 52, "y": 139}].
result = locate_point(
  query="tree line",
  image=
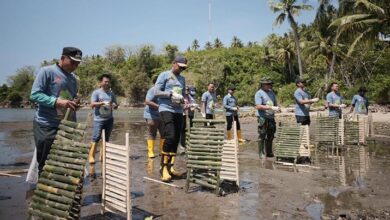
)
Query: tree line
[{"x": 347, "y": 44}]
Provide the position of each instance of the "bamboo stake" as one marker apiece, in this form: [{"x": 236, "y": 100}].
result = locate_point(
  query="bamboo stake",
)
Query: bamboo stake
[
  {"x": 71, "y": 130},
  {"x": 158, "y": 181}
]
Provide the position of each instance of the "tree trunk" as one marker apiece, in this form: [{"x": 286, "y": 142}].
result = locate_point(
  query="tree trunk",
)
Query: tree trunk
[{"x": 294, "y": 28}]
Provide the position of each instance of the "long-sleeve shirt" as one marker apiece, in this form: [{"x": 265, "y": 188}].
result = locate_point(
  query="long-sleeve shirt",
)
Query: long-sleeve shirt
[{"x": 51, "y": 83}]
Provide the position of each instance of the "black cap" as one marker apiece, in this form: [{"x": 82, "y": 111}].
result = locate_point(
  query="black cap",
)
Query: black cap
[
  {"x": 231, "y": 87},
  {"x": 300, "y": 81},
  {"x": 181, "y": 61},
  {"x": 73, "y": 53},
  {"x": 362, "y": 89}
]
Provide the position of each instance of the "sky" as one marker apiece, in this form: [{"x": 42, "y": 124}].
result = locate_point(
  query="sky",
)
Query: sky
[{"x": 35, "y": 30}]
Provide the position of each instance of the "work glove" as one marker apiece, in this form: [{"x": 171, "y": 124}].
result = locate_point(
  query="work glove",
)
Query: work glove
[
  {"x": 343, "y": 105},
  {"x": 203, "y": 114},
  {"x": 106, "y": 103},
  {"x": 315, "y": 100},
  {"x": 177, "y": 98},
  {"x": 194, "y": 105},
  {"x": 275, "y": 108},
  {"x": 234, "y": 108}
]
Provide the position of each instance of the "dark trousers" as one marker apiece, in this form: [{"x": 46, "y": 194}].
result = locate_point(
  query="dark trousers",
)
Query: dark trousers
[
  {"x": 173, "y": 123},
  {"x": 44, "y": 138},
  {"x": 266, "y": 130},
  {"x": 191, "y": 117},
  {"x": 183, "y": 132},
  {"x": 230, "y": 119},
  {"x": 303, "y": 120},
  {"x": 208, "y": 116},
  {"x": 99, "y": 126}
]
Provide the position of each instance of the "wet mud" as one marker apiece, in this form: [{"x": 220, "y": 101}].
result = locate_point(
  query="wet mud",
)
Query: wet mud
[{"x": 354, "y": 184}]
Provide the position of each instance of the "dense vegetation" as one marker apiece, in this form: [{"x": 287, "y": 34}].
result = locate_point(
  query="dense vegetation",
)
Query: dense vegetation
[{"x": 345, "y": 44}]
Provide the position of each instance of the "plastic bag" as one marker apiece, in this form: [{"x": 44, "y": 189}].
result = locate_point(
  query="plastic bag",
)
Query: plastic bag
[{"x": 32, "y": 174}]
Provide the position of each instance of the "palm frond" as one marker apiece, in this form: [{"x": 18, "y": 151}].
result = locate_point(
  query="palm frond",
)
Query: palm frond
[
  {"x": 370, "y": 6},
  {"x": 357, "y": 39},
  {"x": 280, "y": 19}
]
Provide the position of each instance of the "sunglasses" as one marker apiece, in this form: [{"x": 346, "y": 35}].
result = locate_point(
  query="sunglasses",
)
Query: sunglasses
[{"x": 182, "y": 67}]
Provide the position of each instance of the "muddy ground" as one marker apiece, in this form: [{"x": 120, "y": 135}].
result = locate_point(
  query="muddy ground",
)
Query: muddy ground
[{"x": 354, "y": 185}]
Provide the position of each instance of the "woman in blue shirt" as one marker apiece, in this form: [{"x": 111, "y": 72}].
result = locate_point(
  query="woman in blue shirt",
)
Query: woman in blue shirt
[{"x": 231, "y": 106}]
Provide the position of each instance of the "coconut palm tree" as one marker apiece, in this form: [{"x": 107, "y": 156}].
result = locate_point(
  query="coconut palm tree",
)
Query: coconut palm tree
[
  {"x": 289, "y": 9},
  {"x": 195, "y": 45},
  {"x": 236, "y": 42},
  {"x": 208, "y": 46},
  {"x": 218, "y": 43}
]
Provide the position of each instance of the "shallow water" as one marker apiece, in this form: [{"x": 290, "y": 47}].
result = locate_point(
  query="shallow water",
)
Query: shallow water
[{"x": 342, "y": 185}]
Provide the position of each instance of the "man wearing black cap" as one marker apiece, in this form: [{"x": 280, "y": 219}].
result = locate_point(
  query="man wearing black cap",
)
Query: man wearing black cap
[
  {"x": 231, "y": 107},
  {"x": 170, "y": 89},
  {"x": 360, "y": 102},
  {"x": 54, "y": 90},
  {"x": 303, "y": 102},
  {"x": 266, "y": 106}
]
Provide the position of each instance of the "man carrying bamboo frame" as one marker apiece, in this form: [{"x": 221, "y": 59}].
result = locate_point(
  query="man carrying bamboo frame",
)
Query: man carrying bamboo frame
[{"x": 54, "y": 90}]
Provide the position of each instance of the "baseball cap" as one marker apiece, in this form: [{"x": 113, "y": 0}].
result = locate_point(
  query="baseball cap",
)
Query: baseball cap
[
  {"x": 181, "y": 61},
  {"x": 73, "y": 53}
]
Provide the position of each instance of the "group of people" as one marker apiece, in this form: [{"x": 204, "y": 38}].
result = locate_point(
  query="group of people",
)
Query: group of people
[
  {"x": 266, "y": 105},
  {"x": 168, "y": 103}
]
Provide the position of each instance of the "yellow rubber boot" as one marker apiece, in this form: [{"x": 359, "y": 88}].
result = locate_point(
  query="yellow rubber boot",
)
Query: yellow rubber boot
[
  {"x": 172, "y": 171},
  {"x": 161, "y": 145},
  {"x": 229, "y": 134},
  {"x": 92, "y": 151},
  {"x": 165, "y": 176},
  {"x": 101, "y": 152},
  {"x": 150, "y": 143},
  {"x": 240, "y": 137}
]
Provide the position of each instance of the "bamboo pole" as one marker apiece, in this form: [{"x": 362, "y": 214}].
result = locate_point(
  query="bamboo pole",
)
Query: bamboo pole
[
  {"x": 71, "y": 130},
  {"x": 70, "y": 148},
  {"x": 54, "y": 190},
  {"x": 69, "y": 136},
  {"x": 49, "y": 210},
  {"x": 68, "y": 154},
  {"x": 73, "y": 124},
  {"x": 204, "y": 158},
  {"x": 54, "y": 197},
  {"x": 61, "y": 206},
  {"x": 44, "y": 215},
  {"x": 65, "y": 165},
  {"x": 61, "y": 170},
  {"x": 203, "y": 183},
  {"x": 57, "y": 184},
  {"x": 65, "y": 141},
  {"x": 67, "y": 159},
  {"x": 61, "y": 178}
]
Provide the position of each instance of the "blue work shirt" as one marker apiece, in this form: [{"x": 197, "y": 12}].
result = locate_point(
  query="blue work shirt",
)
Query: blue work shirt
[
  {"x": 334, "y": 98},
  {"x": 51, "y": 83},
  {"x": 361, "y": 104},
  {"x": 265, "y": 98},
  {"x": 168, "y": 82},
  {"x": 102, "y": 113},
  {"x": 150, "y": 113},
  {"x": 209, "y": 100},
  {"x": 301, "y": 109},
  {"x": 230, "y": 101}
]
